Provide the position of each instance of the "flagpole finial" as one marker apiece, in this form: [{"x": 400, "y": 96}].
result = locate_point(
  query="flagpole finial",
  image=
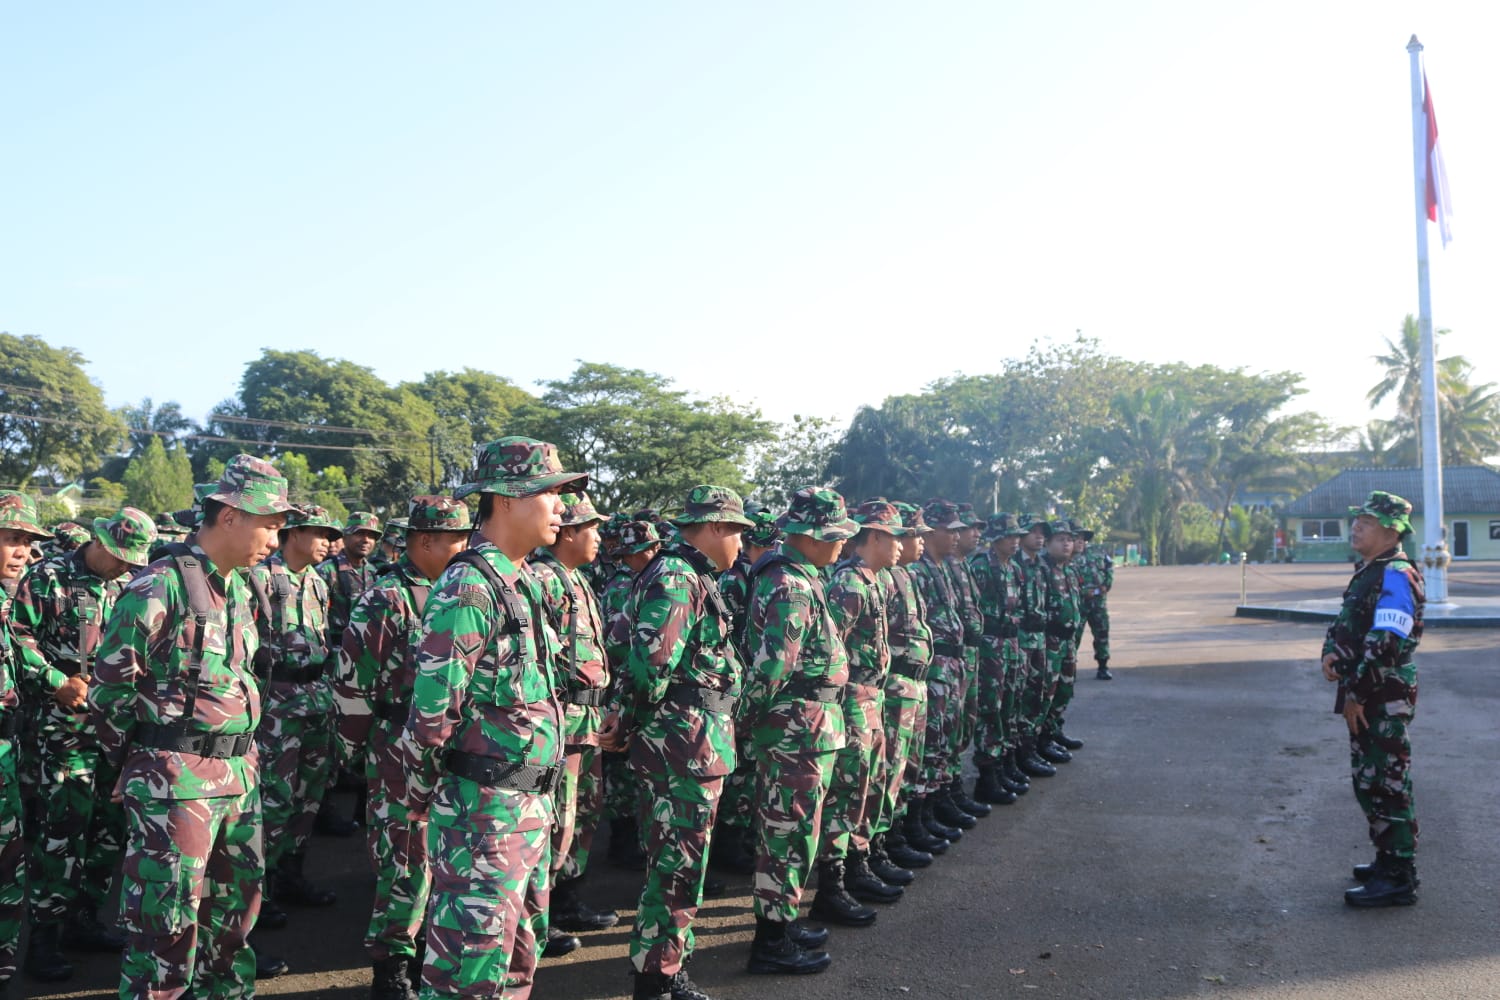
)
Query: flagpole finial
[{"x": 1414, "y": 45}]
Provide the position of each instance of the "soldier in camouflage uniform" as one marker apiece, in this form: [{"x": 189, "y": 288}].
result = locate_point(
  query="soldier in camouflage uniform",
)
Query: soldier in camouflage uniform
[
  {"x": 60, "y": 611},
  {"x": 1064, "y": 616},
  {"x": 69, "y": 536},
  {"x": 1368, "y": 653},
  {"x": 483, "y": 746},
  {"x": 377, "y": 666},
  {"x": 684, "y": 675},
  {"x": 392, "y": 544},
  {"x": 1001, "y": 666},
  {"x": 1036, "y": 694},
  {"x": 796, "y": 669},
  {"x": 1096, "y": 570},
  {"x": 584, "y": 683},
  {"x": 296, "y": 735},
  {"x": 175, "y": 703},
  {"x": 23, "y": 674},
  {"x": 967, "y": 590}
]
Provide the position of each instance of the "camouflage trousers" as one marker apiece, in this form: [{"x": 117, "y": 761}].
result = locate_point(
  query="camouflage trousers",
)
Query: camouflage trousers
[
  {"x": 296, "y": 767},
  {"x": 970, "y": 690},
  {"x": 1036, "y": 695},
  {"x": 622, "y": 792},
  {"x": 790, "y": 792},
  {"x": 580, "y": 803},
  {"x": 27, "y": 748},
  {"x": 737, "y": 805},
  {"x": 905, "y": 721},
  {"x": 1062, "y": 665},
  {"x": 489, "y": 852},
  {"x": 989, "y": 718},
  {"x": 677, "y": 832},
  {"x": 1380, "y": 761},
  {"x": 12, "y": 862},
  {"x": 1096, "y": 614},
  {"x": 847, "y": 808},
  {"x": 944, "y": 710},
  {"x": 81, "y": 833},
  {"x": 189, "y": 893},
  {"x": 397, "y": 846}
]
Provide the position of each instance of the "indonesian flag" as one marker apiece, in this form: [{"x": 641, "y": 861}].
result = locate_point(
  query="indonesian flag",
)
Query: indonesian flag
[{"x": 1439, "y": 202}]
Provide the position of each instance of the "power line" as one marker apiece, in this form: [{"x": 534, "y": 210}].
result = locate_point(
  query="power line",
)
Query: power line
[{"x": 282, "y": 446}]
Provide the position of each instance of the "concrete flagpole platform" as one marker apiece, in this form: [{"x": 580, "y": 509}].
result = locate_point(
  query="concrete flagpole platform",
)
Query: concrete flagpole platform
[{"x": 1309, "y": 592}]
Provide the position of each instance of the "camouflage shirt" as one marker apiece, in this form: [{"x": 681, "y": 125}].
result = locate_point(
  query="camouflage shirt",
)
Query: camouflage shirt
[
  {"x": 1063, "y": 610},
  {"x": 1033, "y": 606},
  {"x": 485, "y": 682},
  {"x": 679, "y": 635},
  {"x": 909, "y": 636},
  {"x": 293, "y": 634},
  {"x": 999, "y": 587},
  {"x": 734, "y": 584},
  {"x": 793, "y": 646},
  {"x": 60, "y": 610},
  {"x": 21, "y": 668},
  {"x": 858, "y": 601},
  {"x": 377, "y": 666},
  {"x": 967, "y": 593},
  {"x": 1096, "y": 572},
  {"x": 944, "y": 612},
  {"x": 580, "y": 628},
  {"x": 1377, "y": 631},
  {"x": 616, "y": 623},
  {"x": 345, "y": 582},
  {"x": 140, "y": 675}
]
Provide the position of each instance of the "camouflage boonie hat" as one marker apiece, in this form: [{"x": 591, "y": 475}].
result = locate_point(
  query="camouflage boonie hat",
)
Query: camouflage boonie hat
[
  {"x": 310, "y": 515},
  {"x": 187, "y": 519},
  {"x": 70, "y": 535},
  {"x": 720, "y": 504},
  {"x": 1079, "y": 531},
  {"x": 942, "y": 515},
  {"x": 1061, "y": 526},
  {"x": 127, "y": 535},
  {"x": 912, "y": 519},
  {"x": 1003, "y": 525},
  {"x": 18, "y": 513},
  {"x": 362, "y": 520},
  {"x": 636, "y": 536},
  {"x": 880, "y": 515},
  {"x": 168, "y": 527},
  {"x": 520, "y": 467},
  {"x": 579, "y": 509},
  {"x": 253, "y": 486},
  {"x": 431, "y": 512},
  {"x": 395, "y": 533},
  {"x": 818, "y": 513},
  {"x": 1029, "y": 521},
  {"x": 968, "y": 517},
  {"x": 765, "y": 533},
  {"x": 1387, "y": 508}
]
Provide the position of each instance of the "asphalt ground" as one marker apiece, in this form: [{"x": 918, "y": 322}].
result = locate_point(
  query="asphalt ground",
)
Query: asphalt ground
[{"x": 1198, "y": 845}]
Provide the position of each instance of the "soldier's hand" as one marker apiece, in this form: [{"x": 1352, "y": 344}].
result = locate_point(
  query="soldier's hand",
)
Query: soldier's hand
[
  {"x": 612, "y": 737},
  {"x": 1354, "y": 716},
  {"x": 1329, "y": 673},
  {"x": 72, "y": 693}
]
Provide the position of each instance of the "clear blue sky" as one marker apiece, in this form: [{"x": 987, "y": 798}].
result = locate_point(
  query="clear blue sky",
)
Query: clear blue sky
[{"x": 805, "y": 206}]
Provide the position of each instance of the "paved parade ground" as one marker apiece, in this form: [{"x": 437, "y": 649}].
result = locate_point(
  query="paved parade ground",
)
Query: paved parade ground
[{"x": 1198, "y": 845}]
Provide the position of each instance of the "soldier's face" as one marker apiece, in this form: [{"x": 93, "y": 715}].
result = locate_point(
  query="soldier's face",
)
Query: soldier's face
[
  {"x": 911, "y": 549},
  {"x": 246, "y": 538},
  {"x": 941, "y": 542},
  {"x": 360, "y": 544},
  {"x": 1060, "y": 546},
  {"x": 430, "y": 551},
  {"x": 1034, "y": 540},
  {"x": 15, "y": 553},
  {"x": 1007, "y": 546},
  {"x": 1368, "y": 537},
  {"x": 579, "y": 544},
  {"x": 636, "y": 561},
  {"x": 880, "y": 550},
  {"x": 304, "y": 546}
]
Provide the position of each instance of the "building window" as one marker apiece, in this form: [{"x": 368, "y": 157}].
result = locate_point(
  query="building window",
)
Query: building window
[{"x": 1322, "y": 531}]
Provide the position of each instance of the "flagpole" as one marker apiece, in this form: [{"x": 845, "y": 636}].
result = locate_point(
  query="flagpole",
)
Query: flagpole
[{"x": 1434, "y": 543}]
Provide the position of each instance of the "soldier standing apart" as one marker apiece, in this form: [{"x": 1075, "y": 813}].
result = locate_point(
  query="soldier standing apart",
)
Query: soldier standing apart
[
  {"x": 60, "y": 611},
  {"x": 584, "y": 683},
  {"x": 22, "y": 673},
  {"x": 1033, "y": 641},
  {"x": 683, "y": 677},
  {"x": 1368, "y": 653},
  {"x": 1063, "y": 620},
  {"x": 1097, "y": 568},
  {"x": 175, "y": 703},
  {"x": 483, "y": 744},
  {"x": 791, "y": 711},
  {"x": 377, "y": 666}
]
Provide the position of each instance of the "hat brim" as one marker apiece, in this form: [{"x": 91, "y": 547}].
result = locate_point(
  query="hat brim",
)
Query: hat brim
[
  {"x": 717, "y": 517},
  {"x": 839, "y": 531},
  {"x": 138, "y": 556},
  {"x": 238, "y": 502},
  {"x": 34, "y": 530},
  {"x": 530, "y": 487},
  {"x": 435, "y": 530},
  {"x": 330, "y": 531},
  {"x": 1401, "y": 524}
]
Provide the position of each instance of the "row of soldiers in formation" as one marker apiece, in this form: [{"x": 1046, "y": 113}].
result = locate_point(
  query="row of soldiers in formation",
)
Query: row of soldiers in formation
[{"x": 505, "y": 686}]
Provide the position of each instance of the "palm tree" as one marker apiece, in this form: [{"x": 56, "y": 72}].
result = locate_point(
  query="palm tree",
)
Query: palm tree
[
  {"x": 1160, "y": 444},
  {"x": 1471, "y": 425},
  {"x": 1268, "y": 453},
  {"x": 1387, "y": 444},
  {"x": 1401, "y": 377}
]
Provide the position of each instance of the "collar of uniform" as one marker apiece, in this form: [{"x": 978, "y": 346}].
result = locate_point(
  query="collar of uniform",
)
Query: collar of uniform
[
  {"x": 410, "y": 573},
  {"x": 700, "y": 562},
  {"x": 492, "y": 554}
]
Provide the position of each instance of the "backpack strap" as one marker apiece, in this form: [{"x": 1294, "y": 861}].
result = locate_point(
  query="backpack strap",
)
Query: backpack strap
[{"x": 201, "y": 608}]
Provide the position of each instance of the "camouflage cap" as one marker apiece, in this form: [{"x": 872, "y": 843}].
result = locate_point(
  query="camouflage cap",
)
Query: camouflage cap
[
  {"x": 362, "y": 520},
  {"x": 968, "y": 517},
  {"x": 820, "y": 514},
  {"x": 520, "y": 467},
  {"x": 188, "y": 519},
  {"x": 1029, "y": 521},
  {"x": 395, "y": 532},
  {"x": 18, "y": 513},
  {"x": 70, "y": 534},
  {"x": 202, "y": 491},
  {"x": 880, "y": 515},
  {"x": 167, "y": 525},
  {"x": 253, "y": 486},
  {"x": 1060, "y": 526},
  {"x": 912, "y": 519},
  {"x": 636, "y": 536},
  {"x": 127, "y": 535},
  {"x": 431, "y": 512},
  {"x": 714, "y": 504},
  {"x": 942, "y": 515},
  {"x": 579, "y": 509},
  {"x": 765, "y": 533},
  {"x": 310, "y": 515},
  {"x": 1387, "y": 508},
  {"x": 1003, "y": 525},
  {"x": 1079, "y": 531}
]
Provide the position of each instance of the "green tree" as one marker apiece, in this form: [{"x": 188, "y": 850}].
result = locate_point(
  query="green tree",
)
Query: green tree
[
  {"x": 147, "y": 421},
  {"x": 1470, "y": 425},
  {"x": 158, "y": 480},
  {"x": 1265, "y": 454},
  {"x": 53, "y": 420},
  {"x": 799, "y": 456},
  {"x": 470, "y": 407},
  {"x": 1401, "y": 377},
  {"x": 328, "y": 487}
]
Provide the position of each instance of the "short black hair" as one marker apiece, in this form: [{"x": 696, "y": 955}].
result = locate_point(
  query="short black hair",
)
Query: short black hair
[
  {"x": 486, "y": 506},
  {"x": 211, "y": 509}
]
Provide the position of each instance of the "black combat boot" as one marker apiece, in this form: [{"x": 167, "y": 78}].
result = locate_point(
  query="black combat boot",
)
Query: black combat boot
[
  {"x": 559, "y": 943},
  {"x": 1065, "y": 741},
  {"x": 900, "y": 851},
  {"x": 414, "y": 962},
  {"x": 291, "y": 886},
  {"x": 684, "y": 988},
  {"x": 774, "y": 952},
  {"x": 84, "y": 931},
  {"x": 44, "y": 958},
  {"x": 864, "y": 885},
  {"x": 272, "y": 916},
  {"x": 1014, "y": 779},
  {"x": 1103, "y": 672},
  {"x": 731, "y": 851},
  {"x": 569, "y": 912},
  {"x": 1363, "y": 873},
  {"x": 833, "y": 904},
  {"x": 962, "y": 799},
  {"x": 991, "y": 787},
  {"x": 1393, "y": 883},
  {"x": 937, "y": 827},
  {"x": 625, "y": 845},
  {"x": 389, "y": 980},
  {"x": 652, "y": 986},
  {"x": 329, "y": 822},
  {"x": 1048, "y": 749},
  {"x": 918, "y": 837},
  {"x": 949, "y": 812},
  {"x": 808, "y": 936},
  {"x": 267, "y": 966},
  {"x": 1031, "y": 765},
  {"x": 885, "y": 867}
]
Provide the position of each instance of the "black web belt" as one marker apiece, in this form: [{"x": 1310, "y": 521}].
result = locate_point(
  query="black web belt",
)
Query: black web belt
[
  {"x": 220, "y": 746},
  {"x": 503, "y": 774}
]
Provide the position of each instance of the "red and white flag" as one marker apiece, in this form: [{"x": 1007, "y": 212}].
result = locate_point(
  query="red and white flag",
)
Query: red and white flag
[{"x": 1439, "y": 202}]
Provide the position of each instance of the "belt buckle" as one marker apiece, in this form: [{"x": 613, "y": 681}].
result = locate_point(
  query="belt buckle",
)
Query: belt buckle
[{"x": 549, "y": 780}]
